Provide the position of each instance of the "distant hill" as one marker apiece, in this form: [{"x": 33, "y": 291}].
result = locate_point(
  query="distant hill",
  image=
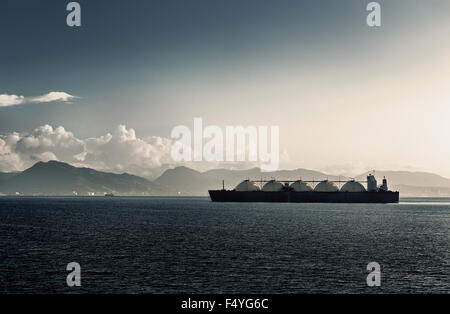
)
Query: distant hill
[
  {"x": 407, "y": 178},
  {"x": 421, "y": 191},
  {"x": 190, "y": 182},
  {"x": 186, "y": 181},
  {"x": 58, "y": 178}
]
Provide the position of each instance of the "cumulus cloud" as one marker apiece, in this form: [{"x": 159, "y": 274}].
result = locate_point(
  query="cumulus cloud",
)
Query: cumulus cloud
[
  {"x": 119, "y": 151},
  {"x": 10, "y": 100},
  {"x": 14, "y": 100}
]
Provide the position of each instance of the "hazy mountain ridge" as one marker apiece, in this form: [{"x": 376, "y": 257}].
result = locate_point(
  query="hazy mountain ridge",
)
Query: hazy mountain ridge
[
  {"x": 58, "y": 178},
  {"x": 421, "y": 191},
  {"x": 410, "y": 178},
  {"x": 197, "y": 183},
  {"x": 192, "y": 182}
]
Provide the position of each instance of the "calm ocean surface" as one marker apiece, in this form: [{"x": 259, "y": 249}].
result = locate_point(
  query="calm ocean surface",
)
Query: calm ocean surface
[{"x": 191, "y": 245}]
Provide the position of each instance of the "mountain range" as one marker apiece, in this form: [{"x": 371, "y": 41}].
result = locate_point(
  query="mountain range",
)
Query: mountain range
[{"x": 58, "y": 178}]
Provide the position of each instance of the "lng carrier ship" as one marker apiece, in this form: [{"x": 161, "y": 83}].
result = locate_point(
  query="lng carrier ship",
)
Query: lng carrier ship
[{"x": 301, "y": 192}]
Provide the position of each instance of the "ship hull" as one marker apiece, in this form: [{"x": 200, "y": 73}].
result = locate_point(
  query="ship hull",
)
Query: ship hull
[{"x": 304, "y": 197}]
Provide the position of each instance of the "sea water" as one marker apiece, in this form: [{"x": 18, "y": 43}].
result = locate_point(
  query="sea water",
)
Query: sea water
[{"x": 191, "y": 245}]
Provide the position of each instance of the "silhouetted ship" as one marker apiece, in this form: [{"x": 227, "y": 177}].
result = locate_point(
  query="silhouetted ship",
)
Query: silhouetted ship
[{"x": 301, "y": 192}]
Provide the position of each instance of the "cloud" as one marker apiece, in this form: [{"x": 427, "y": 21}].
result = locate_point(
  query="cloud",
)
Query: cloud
[
  {"x": 53, "y": 96},
  {"x": 10, "y": 100},
  {"x": 119, "y": 151},
  {"x": 14, "y": 100}
]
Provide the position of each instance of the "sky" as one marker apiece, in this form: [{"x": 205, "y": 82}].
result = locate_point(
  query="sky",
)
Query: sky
[{"x": 346, "y": 97}]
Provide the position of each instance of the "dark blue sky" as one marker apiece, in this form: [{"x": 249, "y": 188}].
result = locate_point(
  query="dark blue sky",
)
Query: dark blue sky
[
  {"x": 152, "y": 65},
  {"x": 124, "y": 49}
]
